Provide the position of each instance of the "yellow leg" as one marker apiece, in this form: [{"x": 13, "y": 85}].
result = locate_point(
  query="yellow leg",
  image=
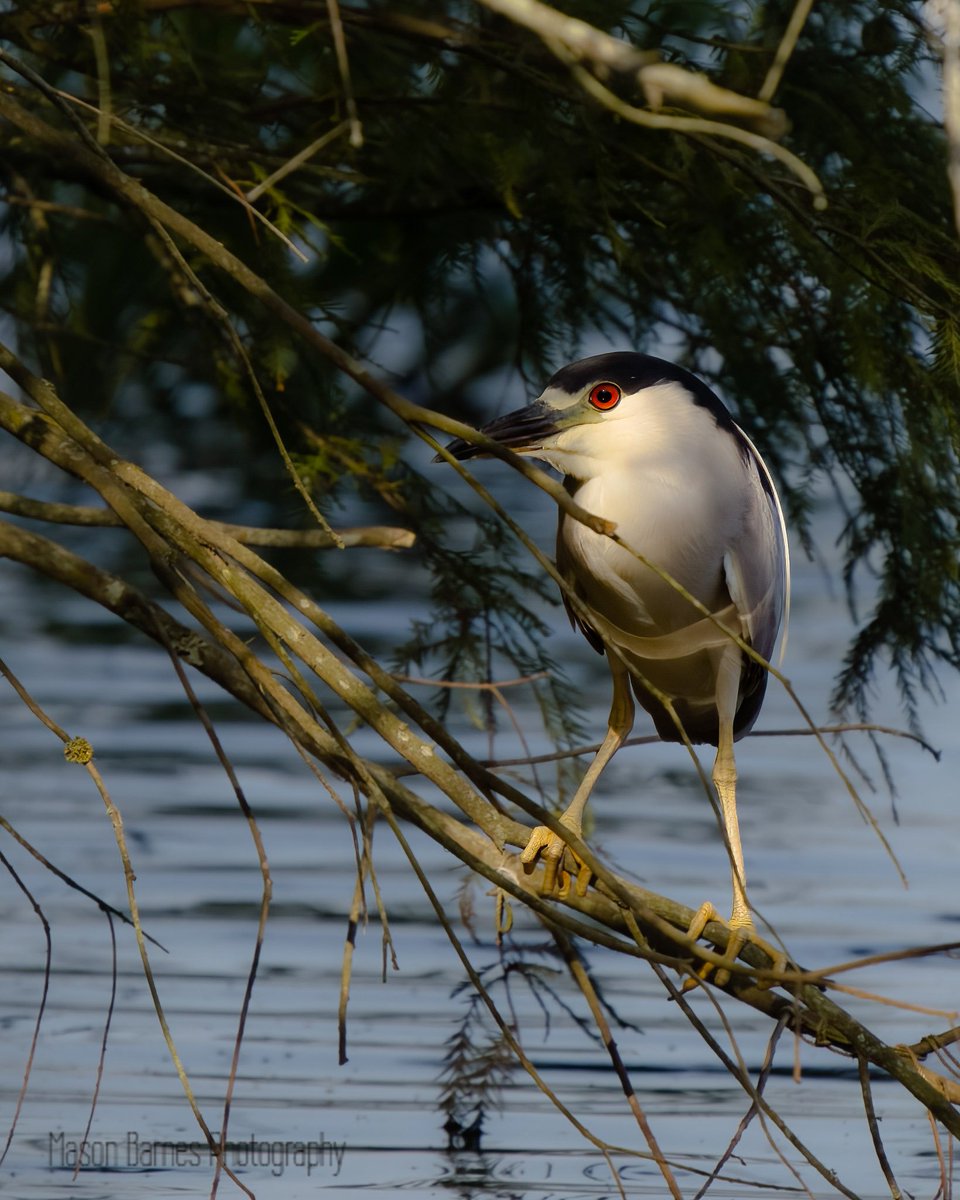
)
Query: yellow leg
[
  {"x": 725, "y": 781},
  {"x": 543, "y": 841}
]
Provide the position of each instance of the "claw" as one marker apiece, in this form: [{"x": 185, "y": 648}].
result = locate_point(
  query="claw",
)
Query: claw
[
  {"x": 741, "y": 932},
  {"x": 550, "y": 848}
]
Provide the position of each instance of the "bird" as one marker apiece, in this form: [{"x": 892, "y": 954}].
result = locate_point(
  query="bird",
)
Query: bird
[{"x": 645, "y": 444}]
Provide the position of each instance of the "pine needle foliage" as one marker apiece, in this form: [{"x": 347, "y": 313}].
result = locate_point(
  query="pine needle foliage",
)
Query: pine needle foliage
[
  {"x": 503, "y": 219},
  {"x": 478, "y": 1064}
]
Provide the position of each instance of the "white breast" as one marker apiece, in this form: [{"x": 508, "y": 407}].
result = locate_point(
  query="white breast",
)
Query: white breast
[{"x": 677, "y": 489}]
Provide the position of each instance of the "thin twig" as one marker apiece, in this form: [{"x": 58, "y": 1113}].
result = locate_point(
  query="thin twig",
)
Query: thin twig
[
  {"x": 365, "y": 866},
  {"x": 747, "y": 1084},
  {"x": 753, "y": 1110},
  {"x": 788, "y": 43},
  {"x": 266, "y": 892},
  {"x": 876, "y": 998},
  {"x": 233, "y": 339},
  {"x": 756, "y": 1091},
  {"x": 72, "y": 883},
  {"x": 53, "y": 206},
  {"x": 874, "y": 1127},
  {"x": 869, "y": 960},
  {"x": 41, "y": 1008},
  {"x": 943, "y": 1192},
  {"x": 506, "y": 1031},
  {"x": 31, "y": 704},
  {"x": 343, "y": 66},
  {"x": 934, "y": 1042},
  {"x": 652, "y": 738},
  {"x": 950, "y": 12},
  {"x": 583, "y": 981},
  {"x": 389, "y": 537},
  {"x": 474, "y": 684},
  {"x": 236, "y": 195},
  {"x": 297, "y": 161},
  {"x": 378, "y": 796},
  {"x": 101, "y": 1060},
  {"x": 700, "y": 127},
  {"x": 102, "y": 59},
  {"x": 117, "y": 823},
  {"x": 346, "y": 969}
]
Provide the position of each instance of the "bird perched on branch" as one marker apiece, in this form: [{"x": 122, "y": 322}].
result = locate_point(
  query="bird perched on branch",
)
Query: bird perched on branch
[{"x": 649, "y": 447}]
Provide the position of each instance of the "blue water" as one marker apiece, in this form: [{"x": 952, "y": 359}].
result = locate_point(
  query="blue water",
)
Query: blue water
[{"x": 816, "y": 873}]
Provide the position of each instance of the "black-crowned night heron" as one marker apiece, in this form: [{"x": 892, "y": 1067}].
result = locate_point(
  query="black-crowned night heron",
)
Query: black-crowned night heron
[{"x": 648, "y": 446}]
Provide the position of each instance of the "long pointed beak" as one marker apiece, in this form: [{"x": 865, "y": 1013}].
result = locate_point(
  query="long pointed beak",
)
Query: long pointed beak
[{"x": 523, "y": 430}]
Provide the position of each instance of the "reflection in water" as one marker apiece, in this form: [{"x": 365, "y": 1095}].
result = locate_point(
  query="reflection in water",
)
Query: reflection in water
[{"x": 818, "y": 876}]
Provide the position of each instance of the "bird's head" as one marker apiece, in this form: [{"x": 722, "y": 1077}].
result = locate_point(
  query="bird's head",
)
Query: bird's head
[{"x": 601, "y": 407}]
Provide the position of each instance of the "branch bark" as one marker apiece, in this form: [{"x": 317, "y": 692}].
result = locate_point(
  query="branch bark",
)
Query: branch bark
[
  {"x": 387, "y": 537},
  {"x": 661, "y": 82}
]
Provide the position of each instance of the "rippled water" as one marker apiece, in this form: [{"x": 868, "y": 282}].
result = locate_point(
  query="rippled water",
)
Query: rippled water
[{"x": 815, "y": 871}]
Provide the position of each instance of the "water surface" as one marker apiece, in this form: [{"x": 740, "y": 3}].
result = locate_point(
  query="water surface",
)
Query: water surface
[{"x": 816, "y": 872}]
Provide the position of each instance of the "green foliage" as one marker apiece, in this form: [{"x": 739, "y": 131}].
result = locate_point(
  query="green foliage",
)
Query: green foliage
[
  {"x": 482, "y": 619},
  {"x": 510, "y": 217}
]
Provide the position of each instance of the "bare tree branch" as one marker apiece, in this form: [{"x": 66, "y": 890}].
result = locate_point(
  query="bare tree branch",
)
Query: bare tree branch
[
  {"x": 660, "y": 82},
  {"x": 386, "y": 537}
]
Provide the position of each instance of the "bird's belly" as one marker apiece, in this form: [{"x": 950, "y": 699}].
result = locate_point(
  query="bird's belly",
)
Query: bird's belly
[
  {"x": 681, "y": 665},
  {"x": 673, "y": 648}
]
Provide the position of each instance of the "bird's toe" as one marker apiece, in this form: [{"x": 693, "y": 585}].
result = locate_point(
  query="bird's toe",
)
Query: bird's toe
[
  {"x": 550, "y": 848},
  {"x": 742, "y": 932}
]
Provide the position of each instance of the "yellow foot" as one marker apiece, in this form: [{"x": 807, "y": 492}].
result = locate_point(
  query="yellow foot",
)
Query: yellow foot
[
  {"x": 550, "y": 848},
  {"x": 741, "y": 931}
]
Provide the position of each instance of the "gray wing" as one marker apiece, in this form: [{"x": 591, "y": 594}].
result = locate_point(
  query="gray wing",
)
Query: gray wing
[
  {"x": 757, "y": 567},
  {"x": 566, "y": 571}
]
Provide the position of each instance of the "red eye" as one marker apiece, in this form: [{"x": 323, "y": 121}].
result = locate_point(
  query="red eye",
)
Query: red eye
[{"x": 605, "y": 396}]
